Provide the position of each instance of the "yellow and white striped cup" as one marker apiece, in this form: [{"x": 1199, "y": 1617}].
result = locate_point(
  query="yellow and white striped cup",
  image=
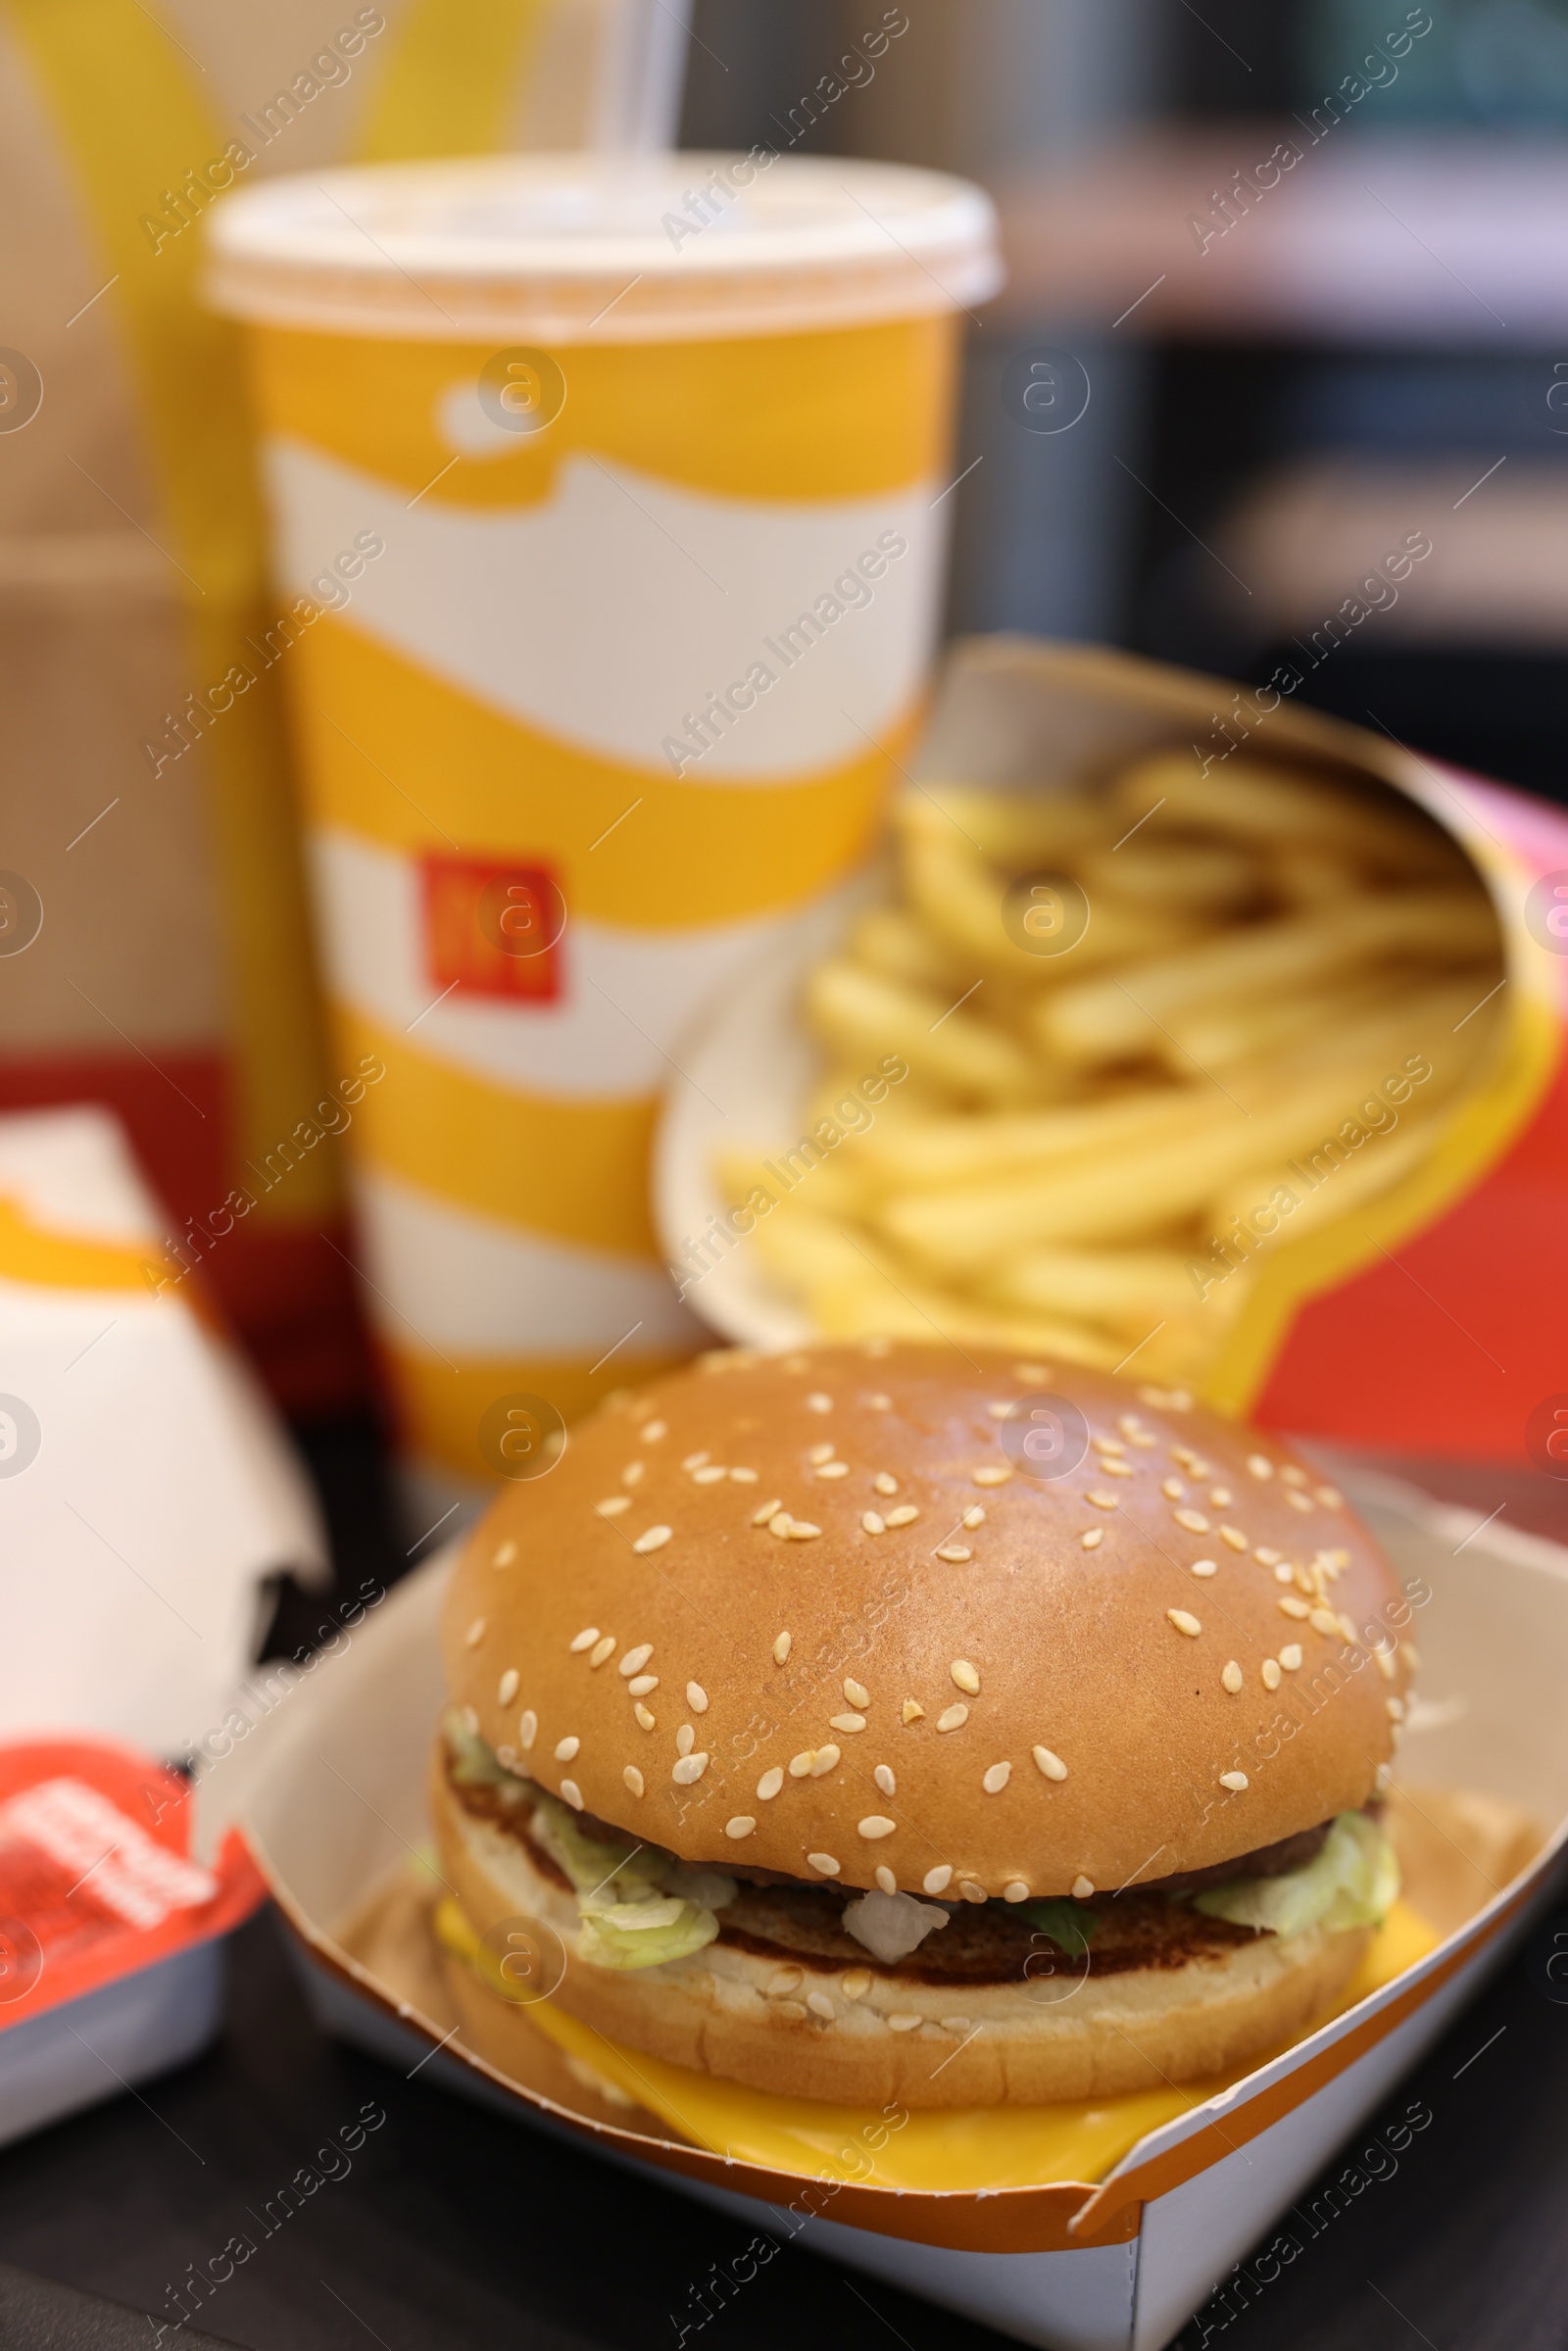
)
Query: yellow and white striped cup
[{"x": 609, "y": 514}]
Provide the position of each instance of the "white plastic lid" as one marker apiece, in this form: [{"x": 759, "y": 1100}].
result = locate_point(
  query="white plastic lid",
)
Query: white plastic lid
[{"x": 604, "y": 249}]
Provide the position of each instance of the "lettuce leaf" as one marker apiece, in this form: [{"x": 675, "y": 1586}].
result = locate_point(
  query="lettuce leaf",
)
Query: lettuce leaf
[{"x": 1351, "y": 1881}]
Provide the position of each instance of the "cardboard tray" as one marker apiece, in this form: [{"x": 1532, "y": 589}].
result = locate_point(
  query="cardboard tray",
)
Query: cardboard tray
[{"x": 329, "y": 1792}]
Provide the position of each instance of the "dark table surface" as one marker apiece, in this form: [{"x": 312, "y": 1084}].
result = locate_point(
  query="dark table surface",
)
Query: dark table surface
[{"x": 449, "y": 2225}]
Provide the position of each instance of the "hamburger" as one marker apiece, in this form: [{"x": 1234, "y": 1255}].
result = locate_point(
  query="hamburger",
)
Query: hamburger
[{"x": 881, "y": 1723}]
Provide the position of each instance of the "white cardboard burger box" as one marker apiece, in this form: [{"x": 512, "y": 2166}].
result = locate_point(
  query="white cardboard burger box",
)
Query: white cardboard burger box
[{"x": 330, "y": 1794}]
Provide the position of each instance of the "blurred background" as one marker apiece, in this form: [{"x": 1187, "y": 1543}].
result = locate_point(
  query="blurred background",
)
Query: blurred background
[{"x": 1285, "y": 381}]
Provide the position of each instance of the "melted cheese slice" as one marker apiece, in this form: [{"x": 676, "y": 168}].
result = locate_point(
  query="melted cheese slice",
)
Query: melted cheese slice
[{"x": 954, "y": 2148}]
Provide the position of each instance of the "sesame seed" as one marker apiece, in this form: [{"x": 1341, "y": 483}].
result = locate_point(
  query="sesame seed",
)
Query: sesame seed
[
  {"x": 1291, "y": 1657},
  {"x": 1051, "y": 1765},
  {"x": 470, "y": 1722},
  {"x": 1323, "y": 1620},
  {"x": 1384, "y": 1659},
  {"x": 612, "y": 1505},
  {"x": 741, "y": 1826},
  {"x": 800, "y": 1529},
  {"x": 1204, "y": 1567},
  {"x": 953, "y": 1719},
  {"x": 996, "y": 1778},
  {"x": 1292, "y": 1606},
  {"x": 507, "y": 1757},
  {"x": 1260, "y": 1465},
  {"x": 1267, "y": 1555},
  {"x": 710, "y": 1476},
  {"x": 883, "y": 1775},
  {"x": 912, "y": 1712},
  {"x": 1270, "y": 1671},
  {"x": 845, "y": 1722},
  {"x": 998, "y": 1412},
  {"x": 875, "y": 1824},
  {"x": 872, "y": 1524},
  {"x": 793, "y": 2009},
  {"x": 527, "y": 1730},
  {"x": 937, "y": 1881},
  {"x": 685, "y": 1739},
  {"x": 880, "y": 1404},
  {"x": 904, "y": 2024},
  {"x": 632, "y": 1474},
  {"x": 883, "y": 1482},
  {"x": 1015, "y": 1890},
  {"x": 990, "y": 1473},
  {"x": 822, "y": 1452},
  {"x": 824, "y": 1760},
  {"x": 695, "y": 1460},
  {"x": 1348, "y": 1628},
  {"x": 1292, "y": 1475},
  {"x": 886, "y": 1880},
  {"x": 1234, "y": 1780},
  {"x": 505, "y": 1555},
  {"x": 1193, "y": 1519},
  {"x": 786, "y": 1980},
  {"x": 1173, "y": 1489},
  {"x": 697, "y": 1698},
  {"x": 1329, "y": 1495},
  {"x": 800, "y": 1765},
  {"x": 1220, "y": 1497},
  {"x": 1385, "y": 1777},
  {"x": 1082, "y": 1887},
  {"x": 856, "y": 1692},
  {"x": 632, "y": 1662},
  {"x": 688, "y": 1769},
  {"x": 834, "y": 1469},
  {"x": 768, "y": 1785},
  {"x": 964, "y": 1677},
  {"x": 509, "y": 1685},
  {"x": 633, "y": 1779},
  {"x": 653, "y": 1431},
  {"x": 602, "y": 1649},
  {"x": 641, "y": 1686},
  {"x": 1107, "y": 1444},
  {"x": 475, "y": 1633},
  {"x": 1101, "y": 1499},
  {"x": 820, "y": 2005},
  {"x": 1030, "y": 1372},
  {"x": 818, "y": 1403},
  {"x": 781, "y": 1648},
  {"x": 974, "y": 1516},
  {"x": 956, "y": 1553},
  {"x": 768, "y": 1511},
  {"x": 1114, "y": 1468},
  {"x": 654, "y": 1540},
  {"x": 905, "y": 1515},
  {"x": 743, "y": 1477},
  {"x": 1231, "y": 1677},
  {"x": 824, "y": 1863},
  {"x": 971, "y": 1891},
  {"x": 1285, "y": 1573},
  {"x": 1092, "y": 1538},
  {"x": 645, "y": 1720},
  {"x": 572, "y": 1793},
  {"x": 567, "y": 1749},
  {"x": 1234, "y": 1537},
  {"x": 1185, "y": 1622},
  {"x": 1298, "y": 1501}
]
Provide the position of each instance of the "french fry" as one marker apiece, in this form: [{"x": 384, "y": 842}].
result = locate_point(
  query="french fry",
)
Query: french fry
[
  {"x": 864, "y": 1017},
  {"x": 836, "y": 1188},
  {"x": 951, "y": 1151},
  {"x": 1245, "y": 1028},
  {"x": 964, "y": 900},
  {"x": 895, "y": 945},
  {"x": 1379, "y": 1164},
  {"x": 1016, "y": 829},
  {"x": 1201, "y": 876},
  {"x": 1105, "y": 1020},
  {"x": 1272, "y": 806},
  {"x": 1130, "y": 1290}
]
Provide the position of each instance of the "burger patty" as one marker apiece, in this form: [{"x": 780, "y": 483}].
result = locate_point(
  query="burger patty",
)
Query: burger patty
[{"x": 781, "y": 1917}]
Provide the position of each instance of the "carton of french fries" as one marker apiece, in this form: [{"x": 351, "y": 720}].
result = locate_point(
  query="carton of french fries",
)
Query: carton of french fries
[{"x": 1229, "y": 1055}]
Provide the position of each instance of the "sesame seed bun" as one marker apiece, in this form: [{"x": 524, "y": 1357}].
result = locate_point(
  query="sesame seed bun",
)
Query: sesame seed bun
[{"x": 1105, "y": 1678}]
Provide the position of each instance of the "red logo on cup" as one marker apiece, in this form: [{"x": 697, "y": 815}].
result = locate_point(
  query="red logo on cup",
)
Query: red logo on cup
[{"x": 492, "y": 928}]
